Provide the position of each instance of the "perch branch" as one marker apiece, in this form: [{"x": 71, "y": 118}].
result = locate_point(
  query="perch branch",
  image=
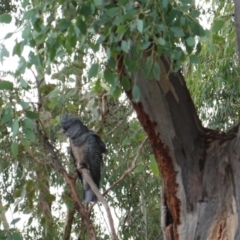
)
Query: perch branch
[{"x": 87, "y": 177}]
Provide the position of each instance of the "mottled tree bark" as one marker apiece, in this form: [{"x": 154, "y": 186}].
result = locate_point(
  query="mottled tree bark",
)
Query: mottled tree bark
[{"x": 199, "y": 166}]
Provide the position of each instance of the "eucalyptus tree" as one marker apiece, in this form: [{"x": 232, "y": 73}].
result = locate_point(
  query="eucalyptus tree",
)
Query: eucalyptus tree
[{"x": 84, "y": 57}]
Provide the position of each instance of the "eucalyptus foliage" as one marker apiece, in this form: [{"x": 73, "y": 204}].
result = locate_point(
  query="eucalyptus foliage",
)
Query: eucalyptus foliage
[{"x": 214, "y": 82}]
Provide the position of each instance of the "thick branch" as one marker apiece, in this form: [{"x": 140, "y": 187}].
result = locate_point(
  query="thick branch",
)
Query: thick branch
[{"x": 87, "y": 177}]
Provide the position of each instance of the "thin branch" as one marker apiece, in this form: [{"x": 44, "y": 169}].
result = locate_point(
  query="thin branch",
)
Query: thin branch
[
  {"x": 68, "y": 223},
  {"x": 3, "y": 218},
  {"x": 104, "y": 219},
  {"x": 120, "y": 122},
  {"x": 129, "y": 170},
  {"x": 87, "y": 177}
]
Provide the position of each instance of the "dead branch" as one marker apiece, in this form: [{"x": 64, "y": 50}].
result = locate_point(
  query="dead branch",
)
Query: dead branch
[{"x": 87, "y": 177}]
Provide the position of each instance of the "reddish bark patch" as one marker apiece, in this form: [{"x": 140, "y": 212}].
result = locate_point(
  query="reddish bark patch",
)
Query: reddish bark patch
[{"x": 164, "y": 161}]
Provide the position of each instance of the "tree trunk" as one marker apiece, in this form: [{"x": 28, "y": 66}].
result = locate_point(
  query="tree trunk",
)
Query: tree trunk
[{"x": 200, "y": 167}]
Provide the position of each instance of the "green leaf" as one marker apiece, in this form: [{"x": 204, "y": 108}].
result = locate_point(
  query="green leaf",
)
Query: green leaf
[
  {"x": 98, "y": 3},
  {"x": 16, "y": 236},
  {"x": 164, "y": 3},
  {"x": 24, "y": 84},
  {"x": 54, "y": 94},
  {"x": 15, "y": 127},
  {"x": 15, "y": 220},
  {"x": 5, "y": 18},
  {"x": 112, "y": 12},
  {"x": 194, "y": 59},
  {"x": 86, "y": 10},
  {"x": 177, "y": 31},
  {"x": 217, "y": 25},
  {"x": 25, "y": 3},
  {"x": 117, "y": 92},
  {"x": 197, "y": 29},
  {"x": 59, "y": 75},
  {"x": 139, "y": 169},
  {"x": 17, "y": 49},
  {"x": 93, "y": 71},
  {"x": 25, "y": 142},
  {"x": 32, "y": 115},
  {"x": 190, "y": 41},
  {"x": 28, "y": 123},
  {"x": 63, "y": 25},
  {"x": 29, "y": 133},
  {"x": 126, "y": 142},
  {"x": 82, "y": 26},
  {"x": 121, "y": 29},
  {"x": 195, "y": 13},
  {"x": 101, "y": 39},
  {"x": 125, "y": 46},
  {"x": 21, "y": 66},
  {"x": 154, "y": 166},
  {"x": 140, "y": 25},
  {"x": 24, "y": 105},
  {"x": 105, "y": 86},
  {"x": 14, "y": 149},
  {"x": 161, "y": 41},
  {"x": 30, "y": 14},
  {"x": 145, "y": 45},
  {"x": 3, "y": 53},
  {"x": 97, "y": 86},
  {"x": 109, "y": 77},
  {"x": 126, "y": 83},
  {"x": 136, "y": 93},
  {"x": 8, "y": 35},
  {"x": 26, "y": 32},
  {"x": 7, "y": 115},
  {"x": 156, "y": 71},
  {"x": 6, "y": 85}
]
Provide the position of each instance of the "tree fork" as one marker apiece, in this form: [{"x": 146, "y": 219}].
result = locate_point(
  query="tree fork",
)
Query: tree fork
[{"x": 200, "y": 192}]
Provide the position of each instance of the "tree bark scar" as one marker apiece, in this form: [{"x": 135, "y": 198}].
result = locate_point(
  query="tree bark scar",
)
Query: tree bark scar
[{"x": 164, "y": 161}]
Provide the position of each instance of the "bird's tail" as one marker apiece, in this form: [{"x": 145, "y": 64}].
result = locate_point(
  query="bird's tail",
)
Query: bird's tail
[{"x": 89, "y": 196}]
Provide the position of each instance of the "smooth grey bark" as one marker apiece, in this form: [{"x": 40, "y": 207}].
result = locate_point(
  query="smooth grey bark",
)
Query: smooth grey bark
[{"x": 200, "y": 167}]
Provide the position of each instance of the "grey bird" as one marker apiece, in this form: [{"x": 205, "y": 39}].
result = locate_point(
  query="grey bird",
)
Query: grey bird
[{"x": 87, "y": 150}]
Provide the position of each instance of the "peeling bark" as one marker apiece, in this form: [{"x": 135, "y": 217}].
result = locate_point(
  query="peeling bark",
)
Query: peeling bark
[{"x": 198, "y": 165}]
